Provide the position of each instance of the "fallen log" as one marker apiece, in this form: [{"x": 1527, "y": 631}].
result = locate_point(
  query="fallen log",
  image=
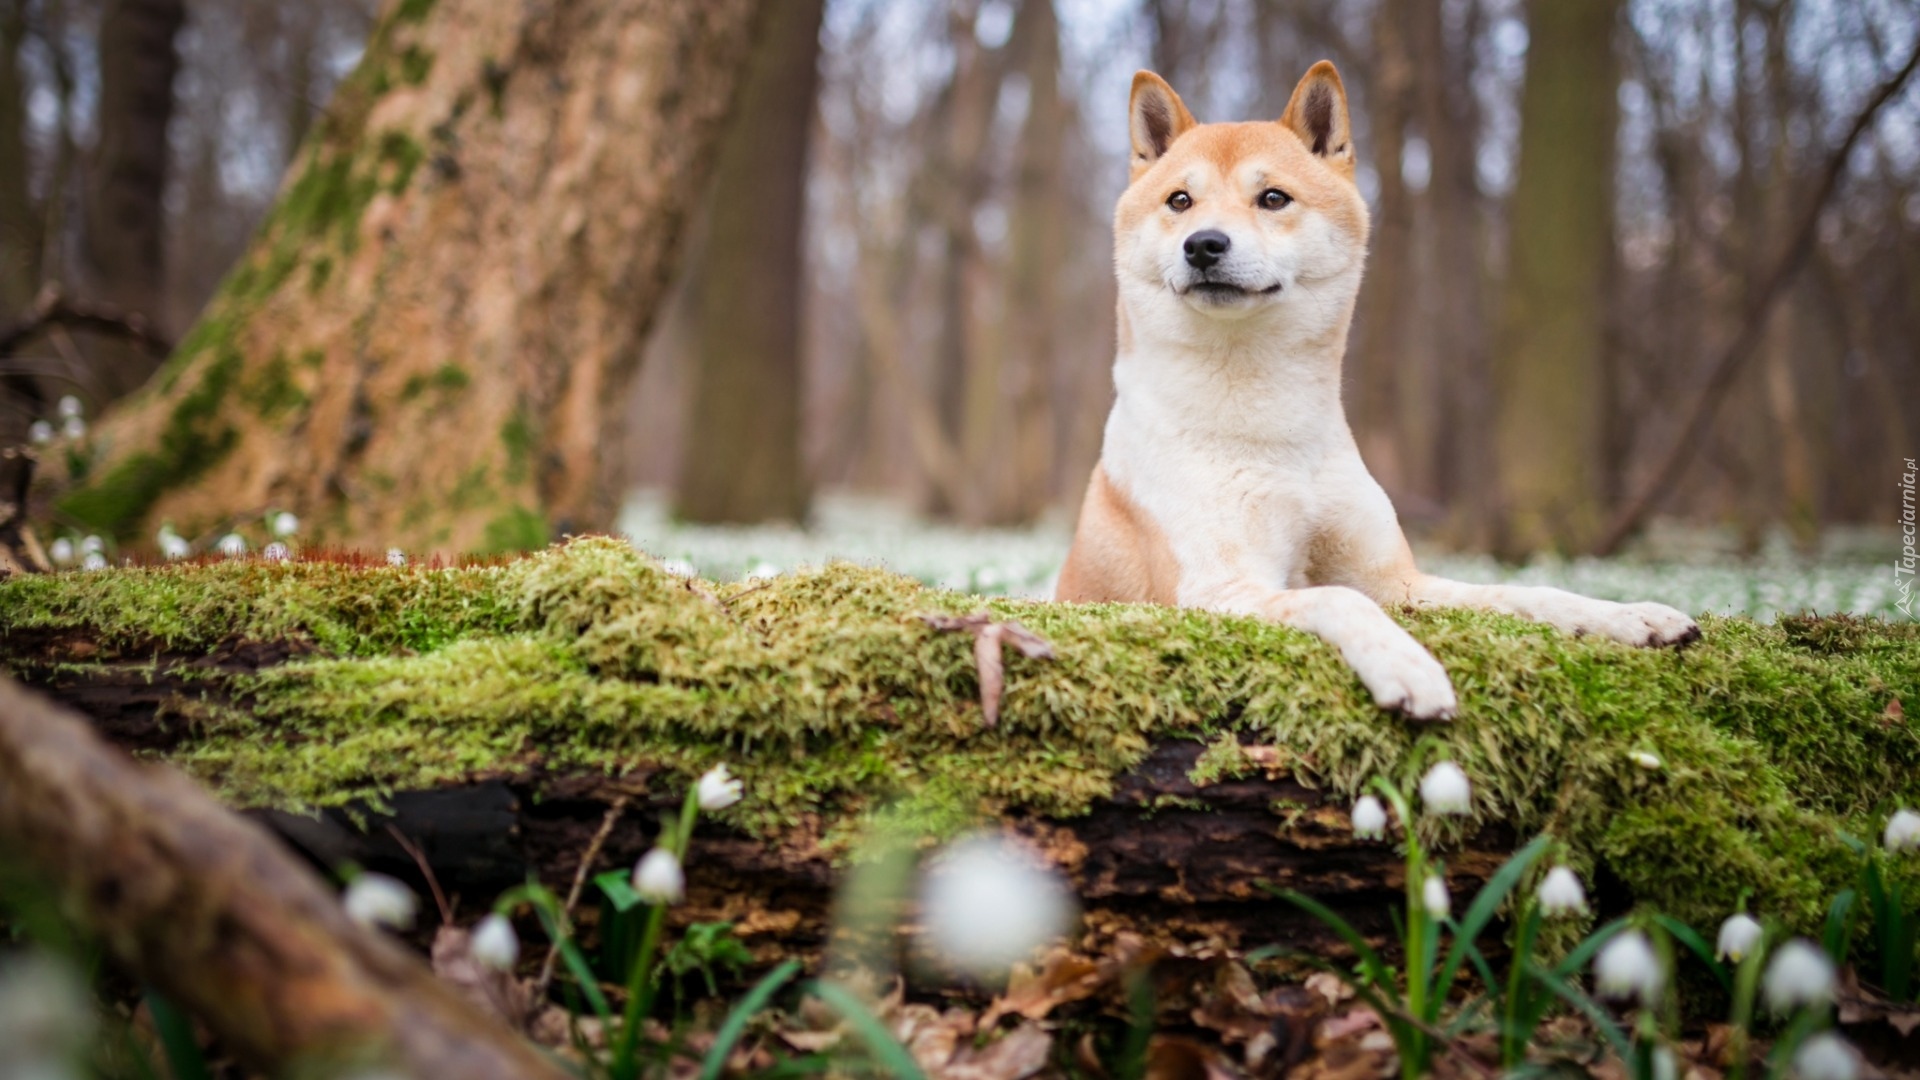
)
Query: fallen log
[
  {"x": 212, "y": 911},
  {"x": 1172, "y": 762}
]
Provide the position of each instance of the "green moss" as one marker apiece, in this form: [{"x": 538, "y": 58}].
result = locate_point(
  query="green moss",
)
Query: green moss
[
  {"x": 415, "y": 64},
  {"x": 193, "y": 440},
  {"x": 272, "y": 390},
  {"x": 319, "y": 274},
  {"x": 448, "y": 378},
  {"x": 413, "y": 11},
  {"x": 518, "y": 529},
  {"x": 517, "y": 435},
  {"x": 828, "y": 695},
  {"x": 404, "y": 155}
]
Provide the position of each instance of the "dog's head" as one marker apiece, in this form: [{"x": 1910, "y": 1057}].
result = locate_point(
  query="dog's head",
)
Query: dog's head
[{"x": 1231, "y": 221}]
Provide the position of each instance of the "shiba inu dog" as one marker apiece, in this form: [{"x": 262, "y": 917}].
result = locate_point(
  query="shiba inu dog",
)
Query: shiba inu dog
[{"x": 1228, "y": 479}]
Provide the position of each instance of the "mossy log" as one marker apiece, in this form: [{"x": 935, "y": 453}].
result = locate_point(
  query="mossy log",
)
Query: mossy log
[
  {"x": 1171, "y": 761},
  {"x": 212, "y": 911}
]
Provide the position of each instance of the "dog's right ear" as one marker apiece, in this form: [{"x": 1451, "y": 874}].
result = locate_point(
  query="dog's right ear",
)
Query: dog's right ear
[{"x": 1156, "y": 118}]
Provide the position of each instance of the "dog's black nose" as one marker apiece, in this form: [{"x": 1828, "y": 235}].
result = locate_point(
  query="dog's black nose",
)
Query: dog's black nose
[{"x": 1205, "y": 247}]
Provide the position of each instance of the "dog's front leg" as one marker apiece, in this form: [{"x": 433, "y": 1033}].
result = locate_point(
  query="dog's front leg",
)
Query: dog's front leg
[
  {"x": 1398, "y": 671},
  {"x": 1645, "y": 624}
]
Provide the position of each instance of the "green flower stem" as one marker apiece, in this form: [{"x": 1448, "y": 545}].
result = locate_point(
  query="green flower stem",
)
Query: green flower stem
[{"x": 641, "y": 983}]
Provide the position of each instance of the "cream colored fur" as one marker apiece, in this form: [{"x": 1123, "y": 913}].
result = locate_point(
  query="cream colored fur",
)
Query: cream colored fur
[{"x": 1228, "y": 479}]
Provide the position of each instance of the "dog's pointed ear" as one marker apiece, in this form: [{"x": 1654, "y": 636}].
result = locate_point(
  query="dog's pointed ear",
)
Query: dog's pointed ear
[
  {"x": 1317, "y": 113},
  {"x": 1156, "y": 117}
]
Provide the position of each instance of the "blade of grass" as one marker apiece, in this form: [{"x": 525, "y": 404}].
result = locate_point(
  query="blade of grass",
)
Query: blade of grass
[
  {"x": 1481, "y": 911},
  {"x": 184, "y": 1059},
  {"x": 1697, "y": 945},
  {"x": 1370, "y": 961},
  {"x": 736, "y": 1021},
  {"x": 880, "y": 1042}
]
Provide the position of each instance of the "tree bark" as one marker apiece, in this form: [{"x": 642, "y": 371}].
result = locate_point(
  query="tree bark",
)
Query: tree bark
[
  {"x": 19, "y": 223},
  {"x": 1387, "y": 309},
  {"x": 123, "y": 212},
  {"x": 428, "y": 342},
  {"x": 1550, "y": 373},
  {"x": 212, "y": 911},
  {"x": 742, "y": 460}
]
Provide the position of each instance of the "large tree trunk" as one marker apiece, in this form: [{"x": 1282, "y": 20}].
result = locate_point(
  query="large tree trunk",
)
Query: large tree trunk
[
  {"x": 742, "y": 459},
  {"x": 1381, "y": 361},
  {"x": 123, "y": 221},
  {"x": 428, "y": 342},
  {"x": 1036, "y": 243},
  {"x": 1550, "y": 373},
  {"x": 19, "y": 225}
]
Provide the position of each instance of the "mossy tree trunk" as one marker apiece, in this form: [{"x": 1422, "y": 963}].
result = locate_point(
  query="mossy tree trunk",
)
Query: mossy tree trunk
[
  {"x": 743, "y": 460},
  {"x": 428, "y": 341},
  {"x": 1550, "y": 372}
]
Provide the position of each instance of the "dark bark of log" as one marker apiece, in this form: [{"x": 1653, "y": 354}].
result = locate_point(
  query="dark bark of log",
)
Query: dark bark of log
[
  {"x": 1161, "y": 855},
  {"x": 209, "y": 909}
]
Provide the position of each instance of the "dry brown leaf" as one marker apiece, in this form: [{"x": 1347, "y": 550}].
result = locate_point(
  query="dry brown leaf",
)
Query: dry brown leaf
[
  {"x": 1347, "y": 1025},
  {"x": 1171, "y": 1057},
  {"x": 1020, "y": 1054},
  {"x": 988, "y": 637},
  {"x": 1063, "y": 977},
  {"x": 1329, "y": 986}
]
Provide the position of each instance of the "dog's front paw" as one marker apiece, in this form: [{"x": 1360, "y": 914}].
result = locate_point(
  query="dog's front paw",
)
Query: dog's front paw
[
  {"x": 1403, "y": 677},
  {"x": 1648, "y": 625}
]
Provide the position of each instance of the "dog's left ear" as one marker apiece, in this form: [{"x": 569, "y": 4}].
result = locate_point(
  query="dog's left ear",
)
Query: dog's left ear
[{"x": 1317, "y": 113}]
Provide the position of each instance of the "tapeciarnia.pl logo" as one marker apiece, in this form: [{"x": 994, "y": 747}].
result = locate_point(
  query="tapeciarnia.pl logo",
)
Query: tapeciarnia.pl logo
[{"x": 1903, "y": 567}]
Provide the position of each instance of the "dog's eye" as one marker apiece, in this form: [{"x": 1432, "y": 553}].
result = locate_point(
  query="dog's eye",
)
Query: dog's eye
[
  {"x": 1179, "y": 201},
  {"x": 1274, "y": 199}
]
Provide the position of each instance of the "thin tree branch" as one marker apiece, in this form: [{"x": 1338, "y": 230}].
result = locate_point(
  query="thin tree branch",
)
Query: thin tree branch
[
  {"x": 51, "y": 309},
  {"x": 1720, "y": 376}
]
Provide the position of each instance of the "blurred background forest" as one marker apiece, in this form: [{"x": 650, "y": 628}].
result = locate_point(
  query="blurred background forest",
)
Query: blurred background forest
[{"x": 1632, "y": 259}]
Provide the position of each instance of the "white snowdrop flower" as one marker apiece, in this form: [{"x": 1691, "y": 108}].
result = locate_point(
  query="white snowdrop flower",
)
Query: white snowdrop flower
[
  {"x": 375, "y": 900},
  {"x": 61, "y": 552},
  {"x": 46, "y": 1014},
  {"x": 94, "y": 561},
  {"x": 1664, "y": 1065},
  {"x": 396, "y": 557},
  {"x": 1649, "y": 761},
  {"x": 1433, "y": 897},
  {"x": 73, "y": 428},
  {"x": 1369, "y": 818},
  {"x": 1739, "y": 935},
  {"x": 285, "y": 524},
  {"x": 274, "y": 552},
  {"x": 173, "y": 546},
  {"x": 658, "y": 879},
  {"x": 989, "y": 900},
  {"x": 1903, "y": 832},
  {"x": 763, "y": 571},
  {"x": 40, "y": 433},
  {"x": 1799, "y": 975},
  {"x": 679, "y": 568},
  {"x": 1627, "y": 967},
  {"x": 69, "y": 407},
  {"x": 494, "y": 943},
  {"x": 232, "y": 545},
  {"x": 1561, "y": 893},
  {"x": 90, "y": 544},
  {"x": 718, "y": 789},
  {"x": 1825, "y": 1056},
  {"x": 1445, "y": 790}
]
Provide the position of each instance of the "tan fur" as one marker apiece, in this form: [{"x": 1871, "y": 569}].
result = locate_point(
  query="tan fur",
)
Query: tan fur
[{"x": 1119, "y": 553}]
